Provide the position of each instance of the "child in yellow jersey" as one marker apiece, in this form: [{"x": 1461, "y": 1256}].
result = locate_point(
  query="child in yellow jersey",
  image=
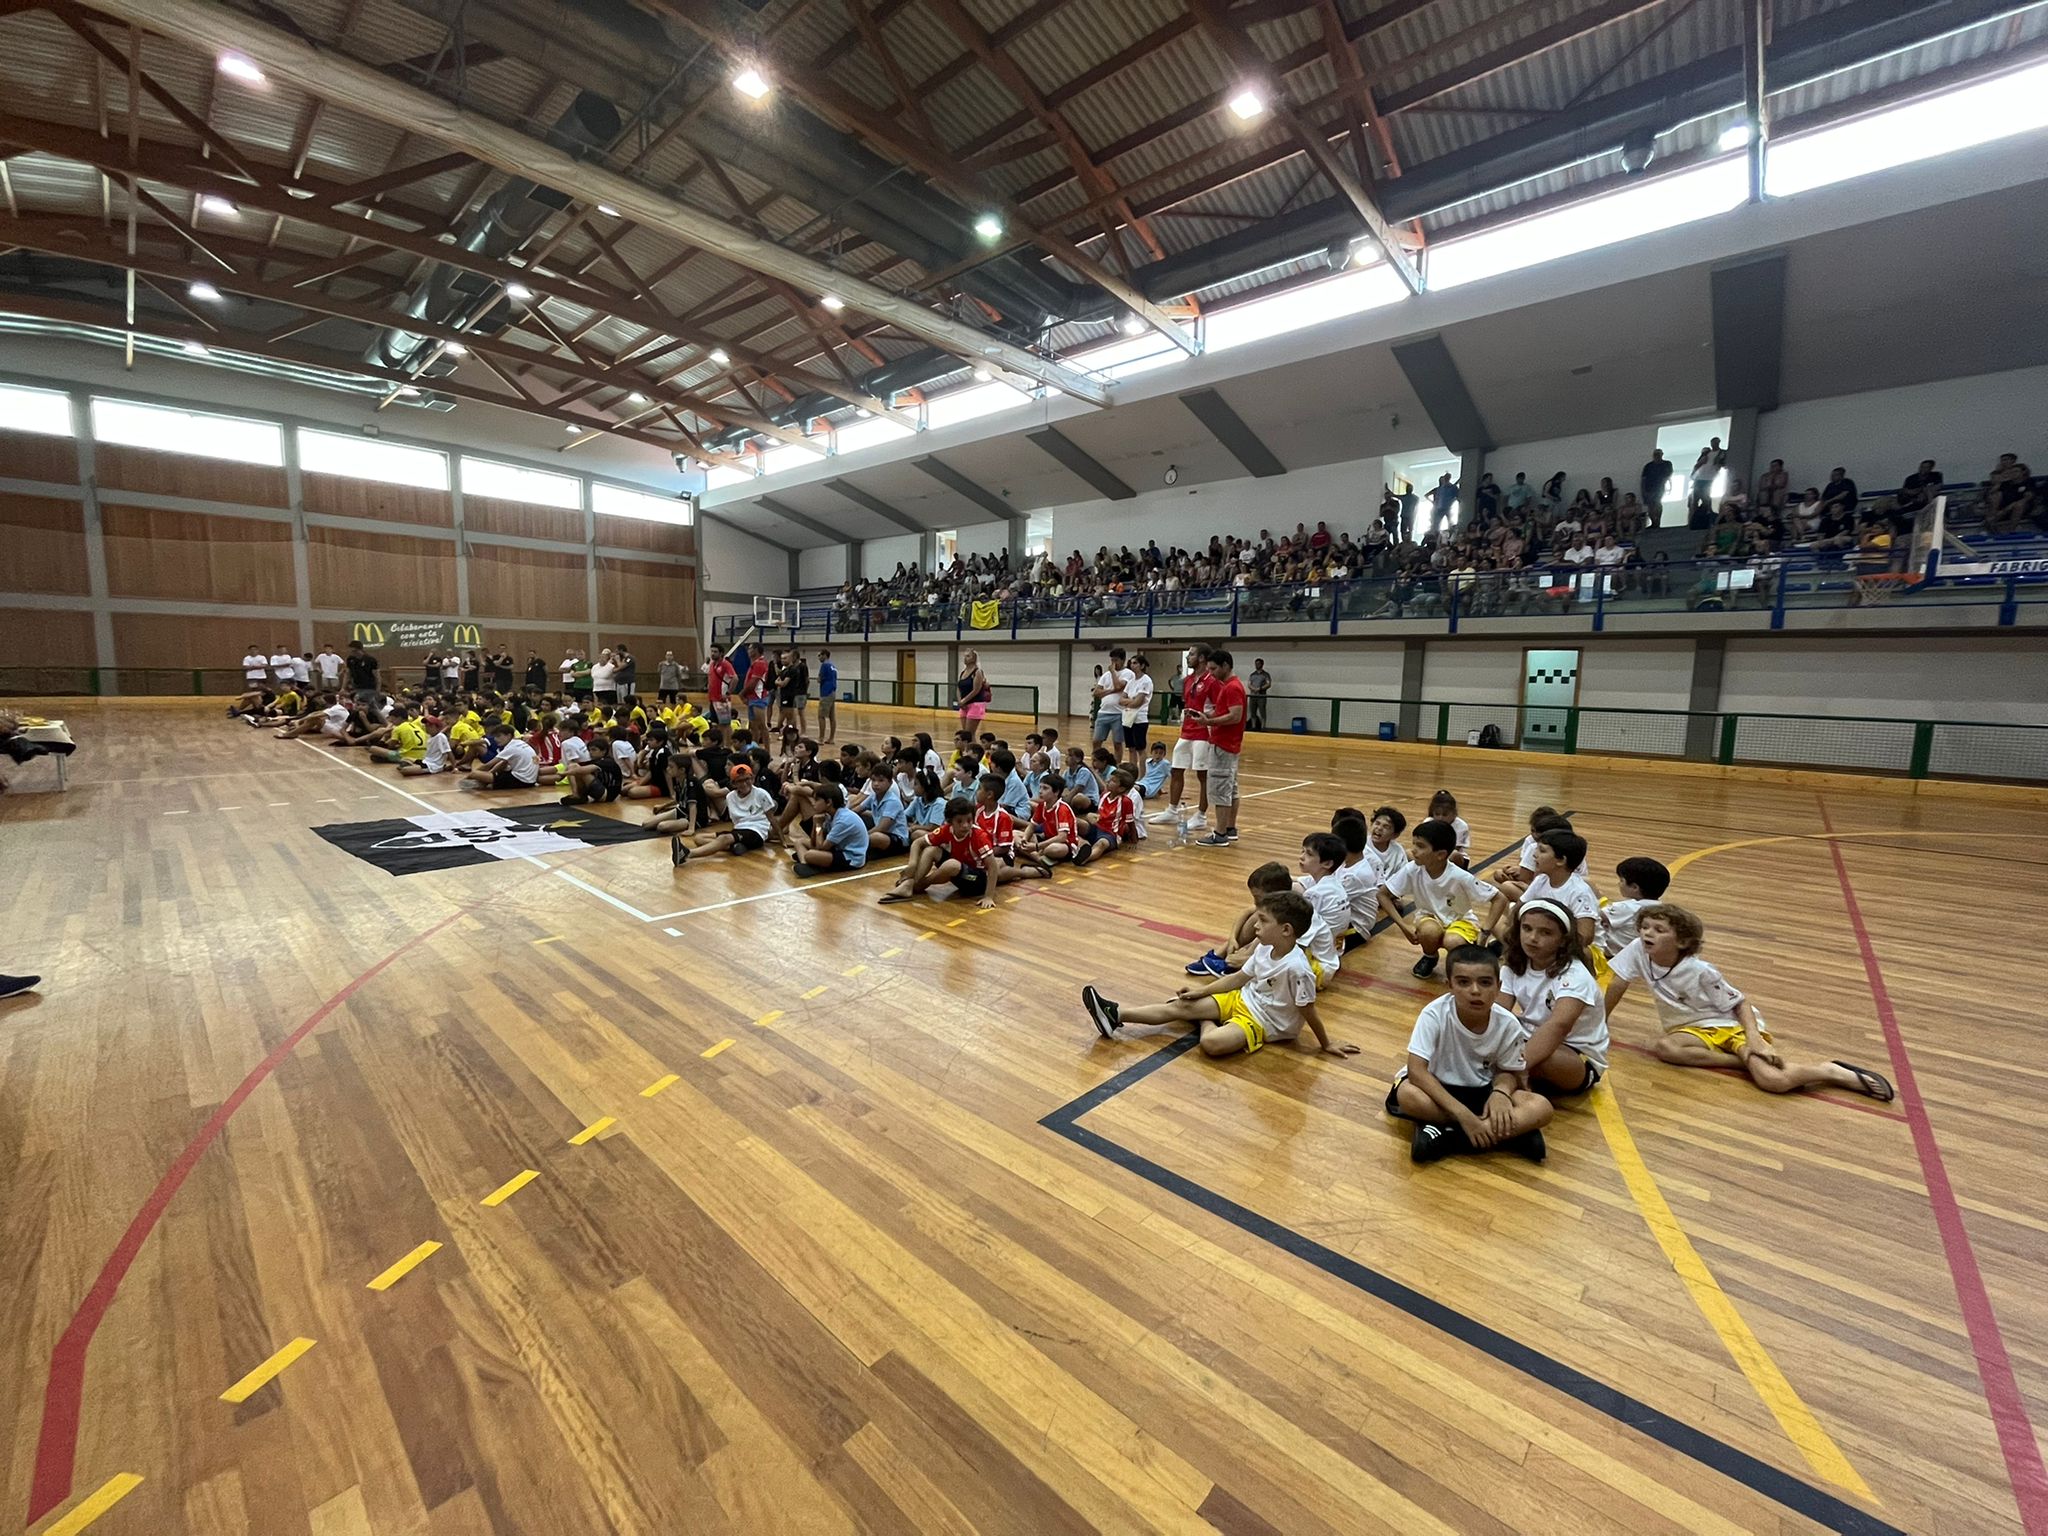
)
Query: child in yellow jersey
[
  {"x": 466, "y": 737},
  {"x": 408, "y": 739}
]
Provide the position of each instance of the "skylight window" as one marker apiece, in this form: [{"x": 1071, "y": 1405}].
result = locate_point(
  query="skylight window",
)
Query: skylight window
[
  {"x": 42, "y": 411},
  {"x": 617, "y": 501},
  {"x": 1349, "y": 293},
  {"x": 369, "y": 458}
]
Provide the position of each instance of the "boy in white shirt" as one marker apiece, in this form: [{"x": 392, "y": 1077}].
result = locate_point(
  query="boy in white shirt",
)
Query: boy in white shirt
[
  {"x": 1643, "y": 884},
  {"x": 1269, "y": 1000},
  {"x": 1706, "y": 1021},
  {"x": 1517, "y": 875},
  {"x": 514, "y": 765},
  {"x": 1322, "y": 882},
  {"x": 1558, "y": 854},
  {"x": 328, "y": 663},
  {"x": 1463, "y": 1083},
  {"x": 750, "y": 807},
  {"x": 1444, "y": 897},
  {"x": 1362, "y": 874},
  {"x": 1318, "y": 941},
  {"x": 282, "y": 669},
  {"x": 1383, "y": 832}
]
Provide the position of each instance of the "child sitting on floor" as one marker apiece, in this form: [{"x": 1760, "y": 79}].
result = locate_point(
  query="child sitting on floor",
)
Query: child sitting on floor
[
  {"x": 1558, "y": 855},
  {"x": 1057, "y": 834},
  {"x": 1318, "y": 944},
  {"x": 1643, "y": 884},
  {"x": 1546, "y": 983},
  {"x": 843, "y": 839},
  {"x": 1443, "y": 806},
  {"x": 1444, "y": 897},
  {"x": 1362, "y": 874},
  {"x": 958, "y": 853},
  {"x": 1708, "y": 1023},
  {"x": 1515, "y": 878},
  {"x": 1463, "y": 1082},
  {"x": 1322, "y": 882},
  {"x": 1270, "y": 999},
  {"x": 750, "y": 807}
]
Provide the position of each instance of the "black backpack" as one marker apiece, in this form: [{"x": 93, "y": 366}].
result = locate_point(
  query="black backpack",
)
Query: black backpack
[{"x": 1489, "y": 735}]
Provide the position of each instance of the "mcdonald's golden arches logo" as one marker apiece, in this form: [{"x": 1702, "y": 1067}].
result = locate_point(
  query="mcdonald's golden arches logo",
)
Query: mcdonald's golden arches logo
[
  {"x": 468, "y": 634},
  {"x": 370, "y": 634}
]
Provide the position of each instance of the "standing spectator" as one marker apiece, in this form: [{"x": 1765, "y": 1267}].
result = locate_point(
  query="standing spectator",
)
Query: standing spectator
[
  {"x": 1773, "y": 487},
  {"x": 329, "y": 664},
  {"x": 1108, "y": 693},
  {"x": 1706, "y": 469},
  {"x": 1223, "y": 711},
  {"x": 472, "y": 672},
  {"x": 282, "y": 671},
  {"x": 451, "y": 671},
  {"x": 1839, "y": 494},
  {"x": 1519, "y": 495},
  {"x": 828, "y": 698},
  {"x": 974, "y": 690},
  {"x": 670, "y": 678},
  {"x": 721, "y": 681},
  {"x": 362, "y": 668},
  {"x": 536, "y": 673},
  {"x": 757, "y": 689},
  {"x": 1656, "y": 475},
  {"x": 1443, "y": 498},
  {"x": 256, "y": 667},
  {"x": 1137, "y": 712},
  {"x": 793, "y": 689},
  {"x": 604, "y": 678},
  {"x": 1259, "y": 684},
  {"x": 626, "y": 677}
]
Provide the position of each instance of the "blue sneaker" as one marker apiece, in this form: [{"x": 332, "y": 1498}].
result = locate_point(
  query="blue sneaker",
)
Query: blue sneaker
[{"x": 1211, "y": 964}]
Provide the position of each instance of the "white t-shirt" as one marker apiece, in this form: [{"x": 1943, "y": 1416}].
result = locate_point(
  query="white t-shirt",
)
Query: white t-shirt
[
  {"x": 334, "y": 719},
  {"x": 574, "y": 749},
  {"x": 1575, "y": 895},
  {"x": 302, "y": 670},
  {"x": 1332, "y": 900},
  {"x": 519, "y": 759},
  {"x": 1526, "y": 859},
  {"x": 1617, "y": 928},
  {"x": 438, "y": 750},
  {"x": 281, "y": 666},
  {"x": 1321, "y": 943},
  {"x": 255, "y": 667},
  {"x": 601, "y": 676},
  {"x": 625, "y": 752},
  {"x": 1534, "y": 997},
  {"x": 1138, "y": 695},
  {"x": 1112, "y": 684},
  {"x": 1691, "y": 992},
  {"x": 1463, "y": 828},
  {"x": 1276, "y": 989},
  {"x": 451, "y": 668},
  {"x": 1362, "y": 888},
  {"x": 1579, "y": 554},
  {"x": 750, "y": 812},
  {"x": 1609, "y": 555},
  {"x": 568, "y": 669},
  {"x": 1462, "y": 1058},
  {"x": 1445, "y": 897},
  {"x": 1392, "y": 857},
  {"x": 330, "y": 668}
]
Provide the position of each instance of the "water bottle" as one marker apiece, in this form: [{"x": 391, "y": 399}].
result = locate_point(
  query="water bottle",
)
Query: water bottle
[{"x": 1180, "y": 830}]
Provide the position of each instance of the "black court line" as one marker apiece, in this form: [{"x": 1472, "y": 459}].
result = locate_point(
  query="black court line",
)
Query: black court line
[{"x": 1759, "y": 1476}]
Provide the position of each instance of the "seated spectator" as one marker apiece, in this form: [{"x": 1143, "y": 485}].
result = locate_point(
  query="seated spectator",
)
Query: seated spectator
[
  {"x": 1839, "y": 494},
  {"x": 2009, "y": 495},
  {"x": 1920, "y": 488},
  {"x": 1802, "y": 520},
  {"x": 1773, "y": 486}
]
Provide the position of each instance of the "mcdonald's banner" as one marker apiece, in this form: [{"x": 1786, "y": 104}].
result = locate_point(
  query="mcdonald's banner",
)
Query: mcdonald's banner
[
  {"x": 986, "y": 615},
  {"x": 416, "y": 634}
]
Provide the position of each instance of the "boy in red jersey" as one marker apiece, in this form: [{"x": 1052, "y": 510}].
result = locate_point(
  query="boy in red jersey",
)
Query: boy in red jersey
[
  {"x": 1000, "y": 828},
  {"x": 1057, "y": 828},
  {"x": 958, "y": 852},
  {"x": 1223, "y": 705},
  {"x": 1118, "y": 820}
]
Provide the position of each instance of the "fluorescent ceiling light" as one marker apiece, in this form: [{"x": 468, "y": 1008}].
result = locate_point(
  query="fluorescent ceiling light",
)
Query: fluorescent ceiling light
[
  {"x": 833, "y": 302},
  {"x": 241, "y": 67},
  {"x": 637, "y": 398},
  {"x": 518, "y": 291},
  {"x": 575, "y": 431},
  {"x": 608, "y": 210},
  {"x": 408, "y": 389},
  {"x": 720, "y": 356},
  {"x": 1248, "y": 103},
  {"x": 983, "y": 375},
  {"x": 204, "y": 290},
  {"x": 1733, "y": 137},
  {"x": 750, "y": 83},
  {"x": 455, "y": 349},
  {"x": 197, "y": 349},
  {"x": 1132, "y": 324},
  {"x": 208, "y": 203},
  {"x": 989, "y": 227}
]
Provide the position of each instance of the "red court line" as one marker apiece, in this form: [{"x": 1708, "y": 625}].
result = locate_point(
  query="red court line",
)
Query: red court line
[
  {"x": 1819, "y": 1098},
  {"x": 2023, "y": 1463},
  {"x": 1191, "y": 935},
  {"x": 63, "y": 1393}
]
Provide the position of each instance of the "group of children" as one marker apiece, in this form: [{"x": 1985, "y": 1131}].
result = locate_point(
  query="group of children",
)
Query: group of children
[{"x": 1535, "y": 960}]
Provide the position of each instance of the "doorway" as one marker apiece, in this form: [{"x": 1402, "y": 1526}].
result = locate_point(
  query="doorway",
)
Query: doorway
[
  {"x": 1550, "y": 687},
  {"x": 906, "y": 679}
]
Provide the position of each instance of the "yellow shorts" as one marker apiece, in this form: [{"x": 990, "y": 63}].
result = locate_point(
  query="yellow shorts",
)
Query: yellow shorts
[
  {"x": 1315, "y": 967},
  {"x": 1463, "y": 931},
  {"x": 1602, "y": 971},
  {"x": 1720, "y": 1037},
  {"x": 1231, "y": 1009}
]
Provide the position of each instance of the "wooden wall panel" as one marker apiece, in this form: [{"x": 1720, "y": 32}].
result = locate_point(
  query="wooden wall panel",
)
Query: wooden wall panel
[
  {"x": 42, "y": 545},
  {"x": 197, "y": 556},
  {"x": 638, "y": 533},
  {"x": 43, "y": 637},
  {"x": 527, "y": 584},
  {"x": 36, "y": 456},
  {"x": 339, "y": 496},
  {"x": 553, "y": 645},
  {"x": 641, "y": 592},
  {"x": 648, "y": 649},
  {"x": 487, "y": 514},
  {"x": 119, "y": 467},
  {"x": 378, "y": 574},
  {"x": 176, "y": 640}
]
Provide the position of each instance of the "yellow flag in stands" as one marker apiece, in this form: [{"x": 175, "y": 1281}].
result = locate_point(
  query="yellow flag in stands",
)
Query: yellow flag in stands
[{"x": 986, "y": 615}]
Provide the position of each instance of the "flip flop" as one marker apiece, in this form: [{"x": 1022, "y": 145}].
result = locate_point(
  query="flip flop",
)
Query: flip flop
[
  {"x": 894, "y": 896},
  {"x": 1867, "y": 1081}
]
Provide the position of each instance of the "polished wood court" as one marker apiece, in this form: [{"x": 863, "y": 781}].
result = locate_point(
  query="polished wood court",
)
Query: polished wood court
[{"x": 824, "y": 1269}]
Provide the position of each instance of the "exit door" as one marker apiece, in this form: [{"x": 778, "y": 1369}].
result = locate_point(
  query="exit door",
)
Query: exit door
[
  {"x": 906, "y": 679},
  {"x": 1550, "y": 687}
]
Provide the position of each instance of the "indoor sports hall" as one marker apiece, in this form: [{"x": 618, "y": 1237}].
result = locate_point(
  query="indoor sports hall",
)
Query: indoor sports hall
[{"x": 637, "y": 642}]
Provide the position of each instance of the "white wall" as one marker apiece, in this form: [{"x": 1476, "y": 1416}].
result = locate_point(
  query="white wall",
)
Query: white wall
[
  {"x": 1298, "y": 667},
  {"x": 879, "y": 557},
  {"x": 822, "y": 567},
  {"x": 729, "y": 560},
  {"x": 1974, "y": 677},
  {"x": 1881, "y": 436},
  {"x": 1034, "y": 666},
  {"x": 1344, "y": 495},
  {"x": 1636, "y": 674},
  {"x": 983, "y": 539},
  {"x": 1584, "y": 459}
]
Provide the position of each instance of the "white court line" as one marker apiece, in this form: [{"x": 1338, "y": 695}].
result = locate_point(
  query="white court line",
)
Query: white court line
[
  {"x": 1281, "y": 790},
  {"x": 364, "y": 773},
  {"x": 623, "y": 906},
  {"x": 787, "y": 890}
]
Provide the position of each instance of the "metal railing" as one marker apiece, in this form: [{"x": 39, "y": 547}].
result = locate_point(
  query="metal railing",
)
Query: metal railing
[{"x": 1773, "y": 585}]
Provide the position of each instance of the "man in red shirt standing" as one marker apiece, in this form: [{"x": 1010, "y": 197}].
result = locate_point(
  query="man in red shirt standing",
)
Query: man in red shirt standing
[
  {"x": 1191, "y": 748},
  {"x": 719, "y": 682},
  {"x": 1223, "y": 710},
  {"x": 755, "y": 692}
]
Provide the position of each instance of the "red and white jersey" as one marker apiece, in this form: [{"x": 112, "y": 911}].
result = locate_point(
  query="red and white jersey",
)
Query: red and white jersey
[
  {"x": 973, "y": 849},
  {"x": 1195, "y": 693},
  {"x": 547, "y": 747},
  {"x": 1055, "y": 820},
  {"x": 999, "y": 827},
  {"x": 1118, "y": 814}
]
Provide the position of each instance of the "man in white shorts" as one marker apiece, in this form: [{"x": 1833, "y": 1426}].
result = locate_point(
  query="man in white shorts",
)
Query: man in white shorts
[{"x": 1191, "y": 747}]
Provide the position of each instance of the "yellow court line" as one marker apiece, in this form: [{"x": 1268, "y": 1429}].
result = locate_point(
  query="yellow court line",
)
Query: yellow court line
[
  {"x": 260, "y": 1378},
  {"x": 853, "y": 971},
  {"x": 767, "y": 1018},
  {"x": 404, "y": 1266},
  {"x": 96, "y": 1503},
  {"x": 923, "y": 936},
  {"x": 707, "y": 1055},
  {"x": 814, "y": 992},
  {"x": 510, "y": 1187},
  {"x": 593, "y": 1130},
  {"x": 891, "y": 954},
  {"x": 553, "y": 938},
  {"x": 668, "y": 1081},
  {"x": 956, "y": 922},
  {"x": 1697, "y": 854},
  {"x": 1786, "y": 1405}
]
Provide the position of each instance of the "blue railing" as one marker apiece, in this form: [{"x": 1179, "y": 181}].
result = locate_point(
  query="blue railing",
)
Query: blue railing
[{"x": 1775, "y": 585}]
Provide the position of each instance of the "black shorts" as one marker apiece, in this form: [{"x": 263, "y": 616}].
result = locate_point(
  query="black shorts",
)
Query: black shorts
[
  {"x": 501, "y": 778},
  {"x": 1473, "y": 1099},
  {"x": 971, "y": 882},
  {"x": 746, "y": 840},
  {"x": 1134, "y": 735}
]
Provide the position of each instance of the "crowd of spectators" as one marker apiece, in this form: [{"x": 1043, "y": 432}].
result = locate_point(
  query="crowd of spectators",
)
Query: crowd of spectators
[{"x": 1518, "y": 546}]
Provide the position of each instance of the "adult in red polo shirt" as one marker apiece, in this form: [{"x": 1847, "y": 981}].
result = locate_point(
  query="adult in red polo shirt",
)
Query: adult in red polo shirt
[
  {"x": 1224, "y": 710},
  {"x": 719, "y": 681},
  {"x": 1191, "y": 748}
]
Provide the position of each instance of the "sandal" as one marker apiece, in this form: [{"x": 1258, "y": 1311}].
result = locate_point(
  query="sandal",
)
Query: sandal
[
  {"x": 1867, "y": 1081},
  {"x": 894, "y": 895}
]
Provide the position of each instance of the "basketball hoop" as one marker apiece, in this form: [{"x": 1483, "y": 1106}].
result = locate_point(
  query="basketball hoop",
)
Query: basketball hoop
[{"x": 778, "y": 613}]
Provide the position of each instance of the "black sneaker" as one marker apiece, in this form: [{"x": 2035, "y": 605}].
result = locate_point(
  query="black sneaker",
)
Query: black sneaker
[
  {"x": 1082, "y": 853},
  {"x": 1231, "y": 833},
  {"x": 14, "y": 986},
  {"x": 1530, "y": 1145},
  {"x": 1214, "y": 840},
  {"x": 678, "y": 851},
  {"x": 1434, "y": 1142},
  {"x": 1426, "y": 966},
  {"x": 1102, "y": 1011}
]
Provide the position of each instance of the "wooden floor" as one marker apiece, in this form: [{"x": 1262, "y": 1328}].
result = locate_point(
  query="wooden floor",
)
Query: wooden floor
[{"x": 866, "y": 1265}]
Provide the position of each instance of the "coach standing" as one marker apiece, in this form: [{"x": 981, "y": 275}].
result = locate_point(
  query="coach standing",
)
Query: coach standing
[
  {"x": 1191, "y": 747},
  {"x": 1223, "y": 710}
]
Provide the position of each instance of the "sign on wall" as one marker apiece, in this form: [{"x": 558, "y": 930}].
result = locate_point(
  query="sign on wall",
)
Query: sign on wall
[{"x": 416, "y": 634}]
